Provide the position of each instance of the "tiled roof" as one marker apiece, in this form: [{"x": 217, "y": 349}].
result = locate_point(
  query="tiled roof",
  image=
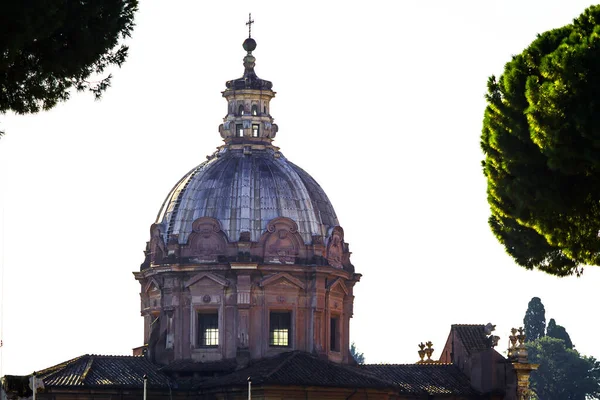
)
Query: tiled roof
[
  {"x": 294, "y": 368},
  {"x": 302, "y": 369},
  {"x": 432, "y": 379},
  {"x": 187, "y": 366},
  {"x": 104, "y": 371},
  {"x": 473, "y": 337}
]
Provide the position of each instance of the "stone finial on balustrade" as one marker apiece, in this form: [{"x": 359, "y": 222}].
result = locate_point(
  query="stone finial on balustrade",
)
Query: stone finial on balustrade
[
  {"x": 517, "y": 354},
  {"x": 429, "y": 351},
  {"x": 426, "y": 349},
  {"x": 421, "y": 352}
]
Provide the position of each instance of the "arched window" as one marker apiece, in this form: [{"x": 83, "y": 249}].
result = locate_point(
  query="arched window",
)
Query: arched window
[
  {"x": 254, "y": 109},
  {"x": 241, "y": 109}
]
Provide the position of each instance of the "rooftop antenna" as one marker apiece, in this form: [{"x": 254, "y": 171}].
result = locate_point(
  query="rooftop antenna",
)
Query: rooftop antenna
[{"x": 249, "y": 23}]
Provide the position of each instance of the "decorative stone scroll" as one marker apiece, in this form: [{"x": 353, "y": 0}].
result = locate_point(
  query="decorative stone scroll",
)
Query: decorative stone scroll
[
  {"x": 158, "y": 250},
  {"x": 335, "y": 247},
  {"x": 206, "y": 242},
  {"x": 281, "y": 241}
]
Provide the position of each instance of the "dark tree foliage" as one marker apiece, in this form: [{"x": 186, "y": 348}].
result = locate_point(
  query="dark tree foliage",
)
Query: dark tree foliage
[
  {"x": 541, "y": 143},
  {"x": 358, "y": 357},
  {"x": 534, "y": 321},
  {"x": 559, "y": 332},
  {"x": 48, "y": 47},
  {"x": 563, "y": 373}
]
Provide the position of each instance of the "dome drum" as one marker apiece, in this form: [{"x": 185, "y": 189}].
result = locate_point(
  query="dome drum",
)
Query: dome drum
[{"x": 280, "y": 243}]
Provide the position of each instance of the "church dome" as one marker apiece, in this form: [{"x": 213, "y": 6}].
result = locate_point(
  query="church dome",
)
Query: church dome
[
  {"x": 244, "y": 190},
  {"x": 246, "y": 258},
  {"x": 247, "y": 182}
]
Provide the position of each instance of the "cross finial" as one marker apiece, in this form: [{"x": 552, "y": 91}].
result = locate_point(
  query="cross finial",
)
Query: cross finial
[{"x": 249, "y": 23}]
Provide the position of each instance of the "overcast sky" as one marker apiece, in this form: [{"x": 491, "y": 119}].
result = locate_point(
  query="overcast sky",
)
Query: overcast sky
[{"x": 381, "y": 102}]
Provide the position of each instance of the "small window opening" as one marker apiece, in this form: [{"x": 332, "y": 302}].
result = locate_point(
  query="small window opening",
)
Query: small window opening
[
  {"x": 255, "y": 128},
  {"x": 334, "y": 333},
  {"x": 239, "y": 130},
  {"x": 279, "y": 329},
  {"x": 264, "y": 109},
  {"x": 254, "y": 109},
  {"x": 241, "y": 110},
  {"x": 208, "y": 329}
]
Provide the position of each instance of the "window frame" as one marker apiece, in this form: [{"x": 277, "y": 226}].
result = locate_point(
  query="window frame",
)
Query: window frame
[
  {"x": 334, "y": 333},
  {"x": 280, "y": 326},
  {"x": 200, "y": 331},
  {"x": 239, "y": 130},
  {"x": 255, "y": 130}
]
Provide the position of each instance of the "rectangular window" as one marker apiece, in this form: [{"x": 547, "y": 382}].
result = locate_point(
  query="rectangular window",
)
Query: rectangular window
[
  {"x": 208, "y": 329},
  {"x": 239, "y": 130},
  {"x": 255, "y": 130},
  {"x": 280, "y": 327},
  {"x": 334, "y": 333}
]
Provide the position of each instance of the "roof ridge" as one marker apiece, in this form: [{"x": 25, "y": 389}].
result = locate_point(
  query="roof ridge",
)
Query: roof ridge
[
  {"x": 405, "y": 364},
  {"x": 50, "y": 371},
  {"x": 86, "y": 370},
  {"x": 468, "y": 325},
  {"x": 287, "y": 360},
  {"x": 372, "y": 375},
  {"x": 115, "y": 355}
]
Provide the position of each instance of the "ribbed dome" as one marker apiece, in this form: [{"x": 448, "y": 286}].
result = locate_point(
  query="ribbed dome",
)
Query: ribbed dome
[{"x": 244, "y": 192}]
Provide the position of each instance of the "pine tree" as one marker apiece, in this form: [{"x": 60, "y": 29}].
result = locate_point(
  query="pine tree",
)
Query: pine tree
[
  {"x": 358, "y": 357},
  {"x": 563, "y": 374},
  {"x": 541, "y": 142},
  {"x": 534, "y": 321},
  {"x": 50, "y": 47},
  {"x": 559, "y": 332}
]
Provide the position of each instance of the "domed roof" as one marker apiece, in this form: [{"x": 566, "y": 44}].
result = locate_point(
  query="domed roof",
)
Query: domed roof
[{"x": 244, "y": 192}]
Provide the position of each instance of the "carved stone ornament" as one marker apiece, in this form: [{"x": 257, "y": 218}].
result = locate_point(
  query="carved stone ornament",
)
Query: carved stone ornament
[
  {"x": 282, "y": 244},
  {"x": 157, "y": 245},
  {"x": 335, "y": 247},
  {"x": 206, "y": 298},
  {"x": 421, "y": 352},
  {"x": 207, "y": 241}
]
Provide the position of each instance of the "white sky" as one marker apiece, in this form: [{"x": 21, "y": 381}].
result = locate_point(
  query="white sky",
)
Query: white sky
[{"x": 381, "y": 102}]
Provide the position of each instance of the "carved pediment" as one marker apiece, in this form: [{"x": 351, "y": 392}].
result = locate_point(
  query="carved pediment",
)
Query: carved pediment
[
  {"x": 207, "y": 241},
  {"x": 207, "y": 276},
  {"x": 282, "y": 279},
  {"x": 338, "y": 286},
  {"x": 151, "y": 287},
  {"x": 281, "y": 241}
]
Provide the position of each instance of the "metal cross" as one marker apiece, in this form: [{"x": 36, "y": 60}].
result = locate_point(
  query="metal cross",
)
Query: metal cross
[{"x": 249, "y": 23}]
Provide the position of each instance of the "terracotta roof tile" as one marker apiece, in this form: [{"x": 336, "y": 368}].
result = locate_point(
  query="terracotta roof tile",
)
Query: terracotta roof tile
[
  {"x": 292, "y": 368},
  {"x": 189, "y": 366},
  {"x": 473, "y": 337},
  {"x": 433, "y": 379},
  {"x": 300, "y": 368},
  {"x": 104, "y": 371}
]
